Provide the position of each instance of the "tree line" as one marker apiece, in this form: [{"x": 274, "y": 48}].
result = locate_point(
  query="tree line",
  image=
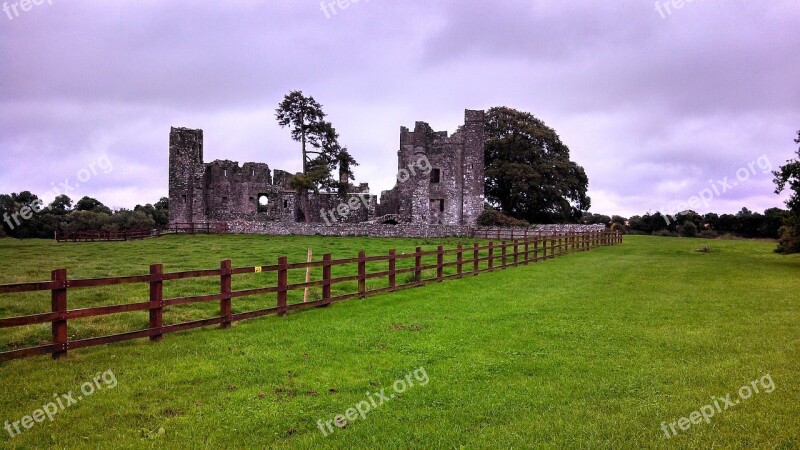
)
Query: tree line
[
  {"x": 24, "y": 215},
  {"x": 745, "y": 223}
]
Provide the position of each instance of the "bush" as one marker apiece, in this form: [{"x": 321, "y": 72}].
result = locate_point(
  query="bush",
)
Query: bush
[
  {"x": 688, "y": 229},
  {"x": 619, "y": 227},
  {"x": 729, "y": 237},
  {"x": 636, "y": 233},
  {"x": 410, "y": 277},
  {"x": 789, "y": 241},
  {"x": 662, "y": 233},
  {"x": 493, "y": 218},
  {"x": 708, "y": 234}
]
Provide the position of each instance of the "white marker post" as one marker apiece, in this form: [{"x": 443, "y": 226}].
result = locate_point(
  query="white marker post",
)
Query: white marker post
[{"x": 308, "y": 275}]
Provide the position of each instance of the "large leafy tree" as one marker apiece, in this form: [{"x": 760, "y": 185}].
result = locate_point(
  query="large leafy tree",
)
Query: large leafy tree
[
  {"x": 321, "y": 151},
  {"x": 788, "y": 177},
  {"x": 528, "y": 171},
  {"x": 92, "y": 205}
]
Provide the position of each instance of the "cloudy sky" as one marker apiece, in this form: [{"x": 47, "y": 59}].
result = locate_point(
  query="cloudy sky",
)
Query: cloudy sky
[{"x": 657, "y": 106}]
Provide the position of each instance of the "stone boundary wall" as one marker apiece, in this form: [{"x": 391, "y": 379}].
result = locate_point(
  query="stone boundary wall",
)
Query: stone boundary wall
[{"x": 400, "y": 230}]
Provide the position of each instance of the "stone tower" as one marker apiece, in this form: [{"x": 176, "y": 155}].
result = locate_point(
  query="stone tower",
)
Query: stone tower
[
  {"x": 187, "y": 203},
  {"x": 474, "y": 137},
  {"x": 441, "y": 177}
]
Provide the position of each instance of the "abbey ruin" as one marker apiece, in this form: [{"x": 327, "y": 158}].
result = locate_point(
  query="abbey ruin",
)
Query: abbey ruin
[{"x": 440, "y": 182}]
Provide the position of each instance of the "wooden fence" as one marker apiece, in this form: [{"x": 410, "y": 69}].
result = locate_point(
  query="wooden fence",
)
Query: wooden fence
[
  {"x": 130, "y": 235},
  {"x": 468, "y": 261},
  {"x": 512, "y": 233}
]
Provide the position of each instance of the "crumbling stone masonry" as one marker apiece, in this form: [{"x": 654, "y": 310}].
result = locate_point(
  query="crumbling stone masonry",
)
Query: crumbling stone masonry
[
  {"x": 451, "y": 192},
  {"x": 223, "y": 191},
  {"x": 440, "y": 182}
]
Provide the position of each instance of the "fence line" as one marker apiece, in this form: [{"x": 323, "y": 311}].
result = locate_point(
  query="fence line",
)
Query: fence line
[
  {"x": 502, "y": 256},
  {"x": 130, "y": 235}
]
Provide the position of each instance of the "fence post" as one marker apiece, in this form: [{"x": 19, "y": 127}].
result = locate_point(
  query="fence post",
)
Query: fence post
[
  {"x": 326, "y": 278},
  {"x": 362, "y": 274},
  {"x": 536, "y": 250},
  {"x": 392, "y": 269},
  {"x": 156, "y": 301},
  {"x": 225, "y": 290},
  {"x": 460, "y": 261},
  {"x": 544, "y": 248},
  {"x": 418, "y": 265},
  {"x": 476, "y": 256},
  {"x": 491, "y": 256},
  {"x": 58, "y": 302},
  {"x": 527, "y": 253},
  {"x": 552, "y": 247},
  {"x": 440, "y": 264},
  {"x": 504, "y": 252},
  {"x": 516, "y": 253},
  {"x": 283, "y": 282}
]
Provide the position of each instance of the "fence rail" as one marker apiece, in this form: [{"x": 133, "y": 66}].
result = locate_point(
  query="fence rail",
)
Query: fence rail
[
  {"x": 130, "y": 235},
  {"x": 524, "y": 232},
  {"x": 469, "y": 261}
]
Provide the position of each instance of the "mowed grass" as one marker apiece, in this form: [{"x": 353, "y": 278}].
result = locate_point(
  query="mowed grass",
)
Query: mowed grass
[{"x": 592, "y": 350}]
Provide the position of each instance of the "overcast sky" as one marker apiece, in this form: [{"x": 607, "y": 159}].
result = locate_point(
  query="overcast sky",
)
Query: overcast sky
[{"x": 653, "y": 105}]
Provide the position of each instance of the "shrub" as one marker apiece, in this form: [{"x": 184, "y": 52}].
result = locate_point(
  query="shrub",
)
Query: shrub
[
  {"x": 410, "y": 277},
  {"x": 619, "y": 227},
  {"x": 729, "y": 237},
  {"x": 662, "y": 233},
  {"x": 708, "y": 234},
  {"x": 789, "y": 240},
  {"x": 636, "y": 233},
  {"x": 688, "y": 229},
  {"x": 493, "y": 218}
]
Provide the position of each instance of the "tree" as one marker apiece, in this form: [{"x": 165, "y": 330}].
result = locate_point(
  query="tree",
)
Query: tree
[
  {"x": 125, "y": 220},
  {"x": 773, "y": 221},
  {"x": 595, "y": 219},
  {"x": 528, "y": 171},
  {"x": 712, "y": 221},
  {"x": 788, "y": 176},
  {"x": 637, "y": 223},
  {"x": 61, "y": 205},
  {"x": 158, "y": 212},
  {"x": 92, "y": 205},
  {"x": 320, "y": 147},
  {"x": 21, "y": 214},
  {"x": 748, "y": 223},
  {"x": 618, "y": 219},
  {"x": 727, "y": 223}
]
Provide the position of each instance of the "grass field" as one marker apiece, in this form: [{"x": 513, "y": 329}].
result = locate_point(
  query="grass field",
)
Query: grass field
[{"x": 594, "y": 349}]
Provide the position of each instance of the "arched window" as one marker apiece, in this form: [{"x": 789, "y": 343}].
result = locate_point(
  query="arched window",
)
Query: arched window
[{"x": 263, "y": 203}]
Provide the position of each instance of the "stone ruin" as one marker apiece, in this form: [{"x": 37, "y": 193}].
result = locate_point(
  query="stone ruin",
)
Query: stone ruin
[{"x": 440, "y": 182}]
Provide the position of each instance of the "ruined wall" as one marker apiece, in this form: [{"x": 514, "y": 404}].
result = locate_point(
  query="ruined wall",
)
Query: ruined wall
[
  {"x": 440, "y": 182},
  {"x": 450, "y": 191},
  {"x": 412, "y": 230},
  {"x": 186, "y": 174},
  {"x": 223, "y": 191}
]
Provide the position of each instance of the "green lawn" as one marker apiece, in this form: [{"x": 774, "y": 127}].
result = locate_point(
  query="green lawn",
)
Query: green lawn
[{"x": 594, "y": 349}]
